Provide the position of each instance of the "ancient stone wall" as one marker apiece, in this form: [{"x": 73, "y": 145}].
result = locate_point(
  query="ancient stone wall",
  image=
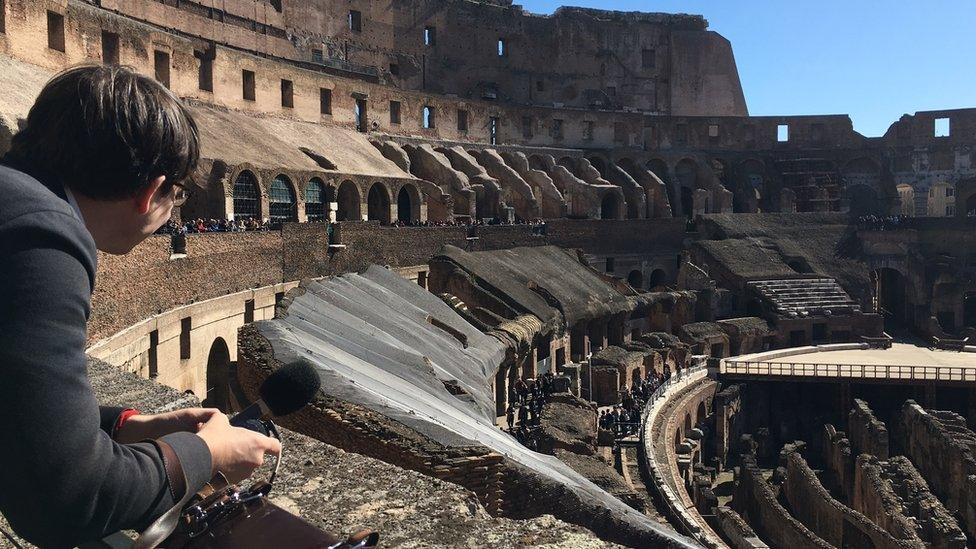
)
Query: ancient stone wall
[
  {"x": 838, "y": 459},
  {"x": 868, "y": 434},
  {"x": 222, "y": 263},
  {"x": 756, "y": 501},
  {"x": 895, "y": 496},
  {"x": 833, "y": 521},
  {"x": 736, "y": 530},
  {"x": 942, "y": 448},
  {"x": 146, "y": 281}
]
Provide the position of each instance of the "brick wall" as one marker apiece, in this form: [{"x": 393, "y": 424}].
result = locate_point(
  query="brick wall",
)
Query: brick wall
[
  {"x": 756, "y": 500},
  {"x": 838, "y": 459},
  {"x": 875, "y": 496},
  {"x": 833, "y": 521},
  {"x": 146, "y": 281},
  {"x": 602, "y": 236},
  {"x": 868, "y": 434},
  {"x": 941, "y": 446}
]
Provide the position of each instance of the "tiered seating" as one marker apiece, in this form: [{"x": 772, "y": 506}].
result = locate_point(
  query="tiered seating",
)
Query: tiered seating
[{"x": 805, "y": 296}]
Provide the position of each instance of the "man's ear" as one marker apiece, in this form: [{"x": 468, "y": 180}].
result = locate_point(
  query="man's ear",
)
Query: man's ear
[{"x": 144, "y": 198}]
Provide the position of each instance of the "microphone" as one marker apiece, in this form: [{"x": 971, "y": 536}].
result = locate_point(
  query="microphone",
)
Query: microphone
[{"x": 288, "y": 389}]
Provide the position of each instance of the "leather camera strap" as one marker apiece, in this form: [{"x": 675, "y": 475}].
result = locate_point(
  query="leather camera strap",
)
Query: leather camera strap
[{"x": 163, "y": 526}]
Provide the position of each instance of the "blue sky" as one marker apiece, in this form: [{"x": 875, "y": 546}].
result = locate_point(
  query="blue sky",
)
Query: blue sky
[{"x": 872, "y": 59}]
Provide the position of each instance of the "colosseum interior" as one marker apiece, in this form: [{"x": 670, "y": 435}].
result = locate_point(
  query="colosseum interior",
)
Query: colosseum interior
[{"x": 557, "y": 281}]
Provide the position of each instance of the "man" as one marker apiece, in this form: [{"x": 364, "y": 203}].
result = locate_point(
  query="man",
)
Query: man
[{"x": 104, "y": 157}]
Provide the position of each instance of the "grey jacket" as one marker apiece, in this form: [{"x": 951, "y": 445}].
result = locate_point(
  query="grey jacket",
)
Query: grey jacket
[{"x": 63, "y": 480}]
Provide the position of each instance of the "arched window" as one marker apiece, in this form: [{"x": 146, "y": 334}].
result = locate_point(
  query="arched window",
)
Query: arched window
[
  {"x": 315, "y": 200},
  {"x": 378, "y": 203},
  {"x": 349, "y": 206},
  {"x": 247, "y": 196},
  {"x": 408, "y": 202},
  {"x": 282, "y": 200}
]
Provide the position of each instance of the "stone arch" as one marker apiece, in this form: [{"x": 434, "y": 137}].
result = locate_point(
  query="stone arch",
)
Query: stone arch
[
  {"x": 659, "y": 167},
  {"x": 893, "y": 296},
  {"x": 408, "y": 204},
  {"x": 748, "y": 186},
  {"x": 282, "y": 205},
  {"x": 862, "y": 186},
  {"x": 701, "y": 413},
  {"x": 610, "y": 206},
  {"x": 688, "y": 423},
  {"x": 971, "y": 205},
  {"x": 317, "y": 198},
  {"x": 863, "y": 199},
  {"x": 635, "y": 278},
  {"x": 350, "y": 204},
  {"x": 569, "y": 163},
  {"x": 378, "y": 203},
  {"x": 536, "y": 162},
  {"x": 218, "y": 376},
  {"x": 658, "y": 278},
  {"x": 246, "y": 196},
  {"x": 599, "y": 163},
  {"x": 686, "y": 172}
]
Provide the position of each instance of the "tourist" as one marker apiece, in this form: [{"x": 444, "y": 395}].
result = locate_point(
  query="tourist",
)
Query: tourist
[
  {"x": 103, "y": 159},
  {"x": 510, "y": 417}
]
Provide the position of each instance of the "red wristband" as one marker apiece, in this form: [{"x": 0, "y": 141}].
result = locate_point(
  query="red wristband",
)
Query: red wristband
[{"x": 123, "y": 417}]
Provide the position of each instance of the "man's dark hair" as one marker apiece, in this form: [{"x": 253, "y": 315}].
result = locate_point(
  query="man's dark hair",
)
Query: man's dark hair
[{"x": 106, "y": 132}]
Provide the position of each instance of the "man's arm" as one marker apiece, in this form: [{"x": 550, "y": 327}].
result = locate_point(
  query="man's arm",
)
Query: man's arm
[{"x": 65, "y": 481}]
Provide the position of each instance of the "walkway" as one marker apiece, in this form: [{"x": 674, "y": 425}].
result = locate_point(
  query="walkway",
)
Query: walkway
[{"x": 902, "y": 363}]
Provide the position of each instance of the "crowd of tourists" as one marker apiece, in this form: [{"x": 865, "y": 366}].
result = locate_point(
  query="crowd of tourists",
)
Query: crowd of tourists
[
  {"x": 539, "y": 226},
  {"x": 885, "y": 222},
  {"x": 199, "y": 225},
  {"x": 526, "y": 400},
  {"x": 624, "y": 418},
  {"x": 192, "y": 226}
]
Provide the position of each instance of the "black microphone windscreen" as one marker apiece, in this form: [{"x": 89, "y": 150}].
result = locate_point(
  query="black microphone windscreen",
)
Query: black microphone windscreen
[{"x": 289, "y": 388}]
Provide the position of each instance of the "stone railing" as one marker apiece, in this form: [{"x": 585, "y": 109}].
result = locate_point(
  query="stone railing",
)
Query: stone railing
[{"x": 686, "y": 516}]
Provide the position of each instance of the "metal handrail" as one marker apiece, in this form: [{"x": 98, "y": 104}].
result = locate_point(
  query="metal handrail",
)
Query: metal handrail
[
  {"x": 688, "y": 524},
  {"x": 853, "y": 371}
]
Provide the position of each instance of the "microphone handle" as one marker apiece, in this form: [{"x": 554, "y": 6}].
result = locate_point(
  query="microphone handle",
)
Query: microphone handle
[
  {"x": 254, "y": 411},
  {"x": 250, "y": 418},
  {"x": 255, "y": 425}
]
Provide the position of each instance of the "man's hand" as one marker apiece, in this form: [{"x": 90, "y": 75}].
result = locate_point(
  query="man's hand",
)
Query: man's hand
[
  {"x": 151, "y": 426},
  {"x": 236, "y": 452}
]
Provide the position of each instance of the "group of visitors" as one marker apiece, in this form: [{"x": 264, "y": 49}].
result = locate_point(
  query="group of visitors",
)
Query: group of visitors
[
  {"x": 885, "y": 222},
  {"x": 214, "y": 226},
  {"x": 526, "y": 399},
  {"x": 624, "y": 418},
  {"x": 538, "y": 226}
]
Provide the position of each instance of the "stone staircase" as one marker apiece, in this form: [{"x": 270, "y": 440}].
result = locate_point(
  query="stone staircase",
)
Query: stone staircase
[{"x": 805, "y": 296}]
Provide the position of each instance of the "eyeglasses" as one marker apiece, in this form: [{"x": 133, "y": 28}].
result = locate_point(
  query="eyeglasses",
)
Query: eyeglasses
[{"x": 181, "y": 195}]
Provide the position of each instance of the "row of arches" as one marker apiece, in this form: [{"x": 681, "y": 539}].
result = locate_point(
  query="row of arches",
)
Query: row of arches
[
  {"x": 283, "y": 204},
  {"x": 657, "y": 279}
]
